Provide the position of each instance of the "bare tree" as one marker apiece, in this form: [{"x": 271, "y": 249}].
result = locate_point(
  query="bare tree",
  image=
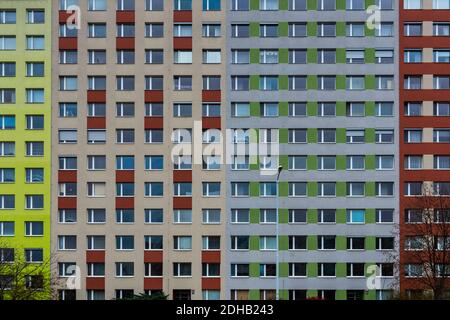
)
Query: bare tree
[
  {"x": 426, "y": 244},
  {"x": 22, "y": 280}
]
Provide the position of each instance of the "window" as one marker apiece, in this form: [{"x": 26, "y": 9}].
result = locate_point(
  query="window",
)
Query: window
[
  {"x": 7, "y": 149},
  {"x": 7, "y": 175},
  {"x": 67, "y": 136},
  {"x": 67, "y": 216},
  {"x": 97, "y": 56},
  {"x": 211, "y": 82},
  {"x": 97, "y": 30},
  {"x": 67, "y": 242},
  {"x": 297, "y": 29},
  {"x": 326, "y": 216},
  {"x": 355, "y": 109},
  {"x": 240, "y": 216},
  {"x": 153, "y": 136},
  {"x": 153, "y": 82},
  {"x": 326, "y": 242},
  {"x": 268, "y": 56},
  {"x": 356, "y": 216},
  {"x": 326, "y": 82},
  {"x": 34, "y": 229},
  {"x": 267, "y": 216},
  {"x": 8, "y": 69},
  {"x": 413, "y": 162},
  {"x": 211, "y": 30},
  {"x": 384, "y": 109},
  {"x": 7, "y": 43},
  {"x": 125, "y": 57},
  {"x": 326, "y": 269},
  {"x": 268, "y": 30},
  {"x": 211, "y": 216},
  {"x": 7, "y": 122},
  {"x": 211, "y": 189},
  {"x": 240, "y": 270},
  {"x": 297, "y": 216},
  {"x": 354, "y": 83},
  {"x": 327, "y": 189},
  {"x": 124, "y": 269},
  {"x": 355, "y": 29},
  {"x": 153, "y": 269},
  {"x": 35, "y": 43},
  {"x": 154, "y": 30},
  {"x": 34, "y": 202},
  {"x": 384, "y": 215},
  {"x": 211, "y": 110},
  {"x": 96, "y": 189},
  {"x": 182, "y": 83},
  {"x": 441, "y": 29},
  {"x": 441, "y": 109},
  {"x": 240, "y": 5},
  {"x": 67, "y": 189},
  {"x": 34, "y": 95},
  {"x": 240, "y": 56},
  {"x": 441, "y": 4},
  {"x": 6, "y": 229},
  {"x": 96, "y": 136},
  {"x": 68, "y": 56},
  {"x": 326, "y": 5},
  {"x": 326, "y": 109},
  {"x": 326, "y": 29},
  {"x": 268, "y": 5},
  {"x": 66, "y": 32},
  {"x": 384, "y": 56},
  {"x": 96, "y": 242},
  {"x": 7, "y": 16},
  {"x": 441, "y": 135},
  {"x": 34, "y": 149},
  {"x": 154, "y": 5},
  {"x": 153, "y": 242},
  {"x": 240, "y": 30},
  {"x": 355, "y": 189},
  {"x": 355, "y": 243},
  {"x": 154, "y": 56},
  {"x": 154, "y": 162},
  {"x": 153, "y": 215},
  {"x": 267, "y": 189},
  {"x": 97, "y": 83},
  {"x": 182, "y": 56},
  {"x": 182, "y": 269},
  {"x": 297, "y": 162},
  {"x": 415, "y": 29},
  {"x": 326, "y": 163},
  {"x": 33, "y": 175},
  {"x": 240, "y": 189},
  {"x": 384, "y": 243},
  {"x": 297, "y": 5},
  {"x": 296, "y": 83},
  {"x": 211, "y": 5},
  {"x": 97, "y": 5},
  {"x": 355, "y": 5},
  {"x": 297, "y": 242},
  {"x": 96, "y": 216},
  {"x": 355, "y": 270},
  {"x": 34, "y": 255},
  {"x": 154, "y": 189},
  {"x": 124, "y": 189},
  {"x": 66, "y": 269},
  {"x": 441, "y": 82},
  {"x": 124, "y": 242},
  {"x": 384, "y": 162},
  {"x": 268, "y": 83},
  {"x": 386, "y": 29},
  {"x": 442, "y": 162},
  {"x": 412, "y": 4},
  {"x": 267, "y": 270},
  {"x": 95, "y": 269},
  {"x": 95, "y": 163},
  {"x": 240, "y": 242},
  {"x": 297, "y": 135},
  {"x": 182, "y": 243},
  {"x": 297, "y": 56},
  {"x": 67, "y": 163},
  {"x": 240, "y": 83},
  {"x": 384, "y": 136},
  {"x": 354, "y": 56},
  {"x": 326, "y": 135},
  {"x": 384, "y": 189},
  {"x": 124, "y": 135}
]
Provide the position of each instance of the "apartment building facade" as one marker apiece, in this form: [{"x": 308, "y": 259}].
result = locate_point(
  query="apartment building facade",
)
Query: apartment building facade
[
  {"x": 313, "y": 76},
  {"x": 137, "y": 80},
  {"x": 424, "y": 136},
  {"x": 25, "y": 122}
]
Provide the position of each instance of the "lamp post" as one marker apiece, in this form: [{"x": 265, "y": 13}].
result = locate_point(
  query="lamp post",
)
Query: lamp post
[{"x": 277, "y": 267}]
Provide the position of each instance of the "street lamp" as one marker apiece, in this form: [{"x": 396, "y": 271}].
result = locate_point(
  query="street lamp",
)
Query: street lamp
[{"x": 277, "y": 264}]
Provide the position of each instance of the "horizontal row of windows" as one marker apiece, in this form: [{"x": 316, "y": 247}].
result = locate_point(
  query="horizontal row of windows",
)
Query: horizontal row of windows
[
  {"x": 244, "y": 294},
  {"x": 415, "y": 56},
  {"x": 419, "y": 188},
  {"x": 415, "y": 29},
  {"x": 247, "y": 82},
  {"x": 236, "y": 5},
  {"x": 32, "y": 149},
  {"x": 33, "y": 16},
  {"x": 32, "y": 228},
  {"x": 416, "y": 162},
  {"x": 33, "y": 122},
  {"x": 32, "y": 202},
  {"x": 238, "y": 216},
  {"x": 414, "y": 82},
  {"x": 264, "y": 243},
  {"x": 247, "y": 109},
  {"x": 241, "y": 30},
  {"x": 238, "y": 189},
  {"x": 32, "y": 69},
  {"x": 241, "y": 56},
  {"x": 295, "y": 162},
  {"x": 32, "y": 96},
  {"x": 34, "y": 42},
  {"x": 416, "y": 135},
  {"x": 32, "y": 175}
]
